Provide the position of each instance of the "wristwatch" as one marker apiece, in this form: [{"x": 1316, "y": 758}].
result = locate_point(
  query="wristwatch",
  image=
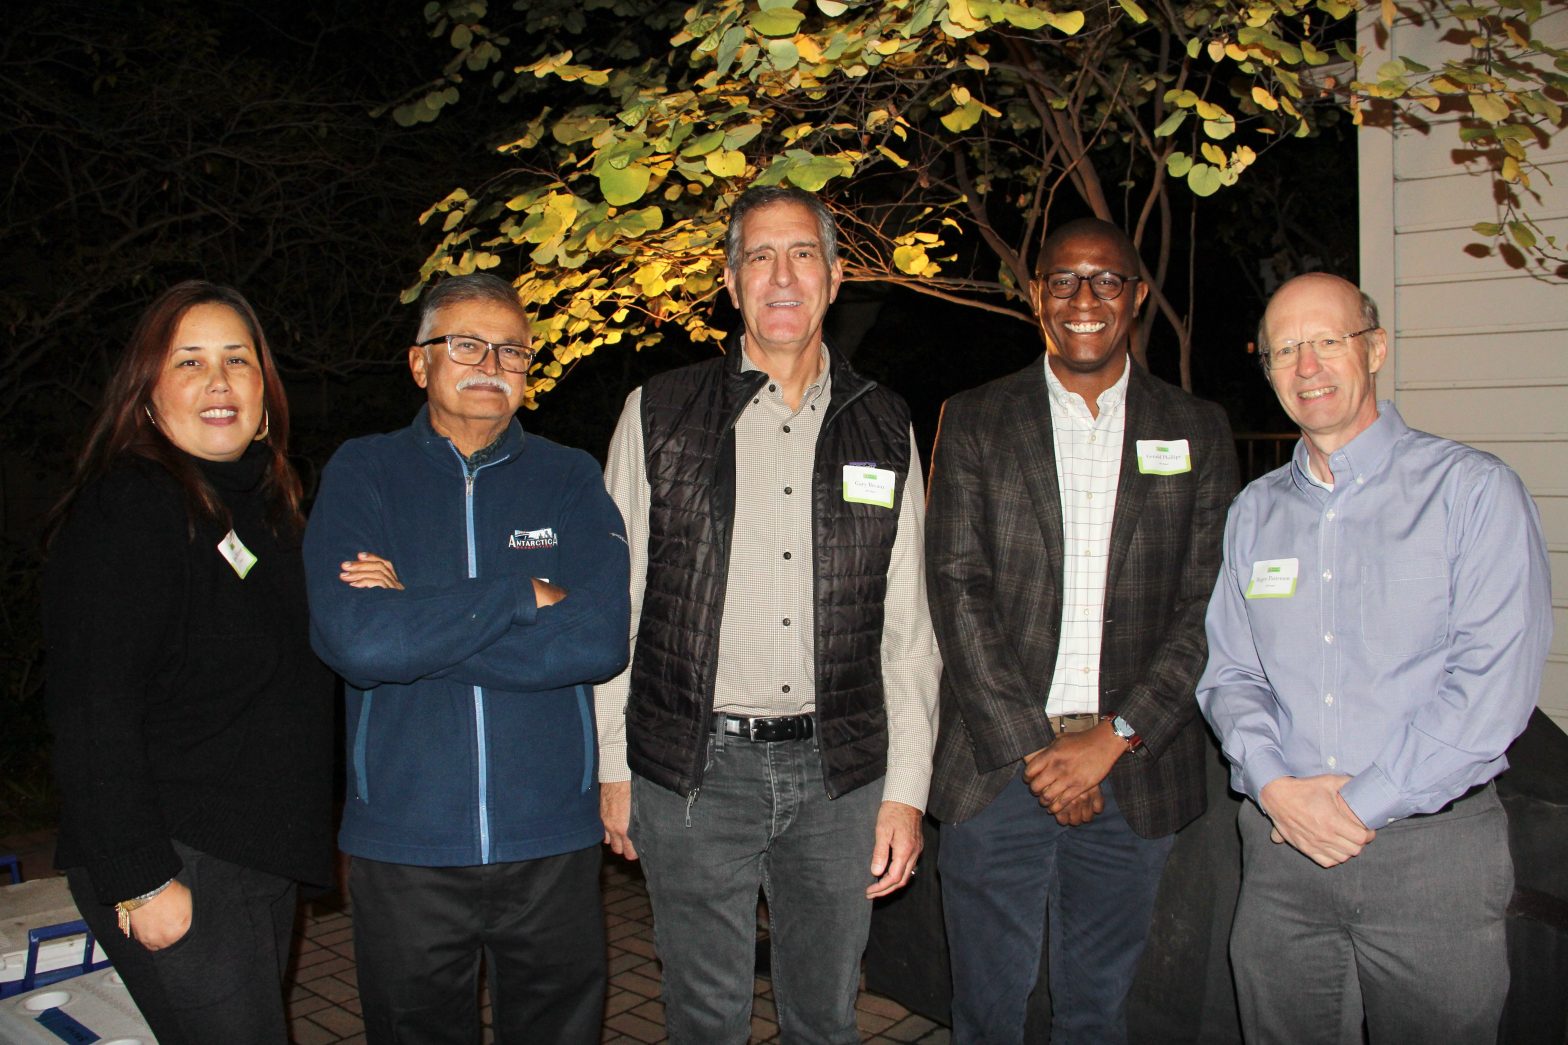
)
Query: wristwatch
[{"x": 1123, "y": 729}]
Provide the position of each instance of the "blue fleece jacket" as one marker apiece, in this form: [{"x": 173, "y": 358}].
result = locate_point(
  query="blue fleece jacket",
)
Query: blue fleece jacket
[{"x": 469, "y": 711}]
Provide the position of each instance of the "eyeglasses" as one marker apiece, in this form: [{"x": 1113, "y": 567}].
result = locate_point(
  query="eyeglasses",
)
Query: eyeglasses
[
  {"x": 1105, "y": 285},
  {"x": 1324, "y": 347},
  {"x": 468, "y": 350}
]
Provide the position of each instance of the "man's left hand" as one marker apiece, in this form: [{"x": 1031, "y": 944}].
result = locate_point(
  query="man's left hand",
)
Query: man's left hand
[
  {"x": 1074, "y": 763},
  {"x": 370, "y": 571},
  {"x": 898, "y": 846}
]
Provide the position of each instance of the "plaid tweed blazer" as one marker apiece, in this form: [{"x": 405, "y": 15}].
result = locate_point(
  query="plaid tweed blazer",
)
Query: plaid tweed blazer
[{"x": 994, "y": 564}]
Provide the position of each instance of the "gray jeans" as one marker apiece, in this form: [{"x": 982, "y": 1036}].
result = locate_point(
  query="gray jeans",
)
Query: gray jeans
[
  {"x": 762, "y": 819},
  {"x": 1410, "y": 932}
]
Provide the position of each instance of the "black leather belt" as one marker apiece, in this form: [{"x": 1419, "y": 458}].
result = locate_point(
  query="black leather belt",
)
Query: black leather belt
[{"x": 765, "y": 730}]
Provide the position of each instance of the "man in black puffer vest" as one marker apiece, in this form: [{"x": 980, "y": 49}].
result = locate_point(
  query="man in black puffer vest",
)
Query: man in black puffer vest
[{"x": 776, "y": 724}]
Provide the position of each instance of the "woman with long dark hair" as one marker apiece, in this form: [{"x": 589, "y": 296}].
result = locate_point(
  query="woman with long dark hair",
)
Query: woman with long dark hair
[{"x": 192, "y": 722}]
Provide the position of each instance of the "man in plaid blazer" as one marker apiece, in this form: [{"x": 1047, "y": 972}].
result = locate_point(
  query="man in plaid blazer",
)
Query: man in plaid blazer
[{"x": 1075, "y": 520}]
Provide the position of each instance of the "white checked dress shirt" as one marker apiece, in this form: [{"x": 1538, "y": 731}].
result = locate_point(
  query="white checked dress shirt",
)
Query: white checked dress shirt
[{"x": 1088, "y": 461}]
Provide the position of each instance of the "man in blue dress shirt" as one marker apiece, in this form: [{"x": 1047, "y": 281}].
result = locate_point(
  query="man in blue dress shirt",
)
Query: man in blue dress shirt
[{"x": 1376, "y": 641}]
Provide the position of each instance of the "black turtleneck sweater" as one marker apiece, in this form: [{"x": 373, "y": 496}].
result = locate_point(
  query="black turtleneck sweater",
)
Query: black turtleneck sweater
[{"x": 185, "y": 701}]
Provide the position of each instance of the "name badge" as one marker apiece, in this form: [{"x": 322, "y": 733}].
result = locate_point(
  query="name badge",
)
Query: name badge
[
  {"x": 864, "y": 485},
  {"x": 1273, "y": 579},
  {"x": 1164, "y": 456},
  {"x": 238, "y": 556}
]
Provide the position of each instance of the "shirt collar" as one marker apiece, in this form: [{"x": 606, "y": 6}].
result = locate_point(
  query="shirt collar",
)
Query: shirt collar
[
  {"x": 813, "y": 390},
  {"x": 1109, "y": 399},
  {"x": 1362, "y": 455}
]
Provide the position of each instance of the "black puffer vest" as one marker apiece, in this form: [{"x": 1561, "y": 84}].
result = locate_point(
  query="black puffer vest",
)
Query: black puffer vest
[{"x": 688, "y": 426}]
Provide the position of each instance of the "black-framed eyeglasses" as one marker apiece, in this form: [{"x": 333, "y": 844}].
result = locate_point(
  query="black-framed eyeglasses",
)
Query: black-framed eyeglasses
[
  {"x": 1105, "y": 284},
  {"x": 468, "y": 350},
  {"x": 1328, "y": 347}
]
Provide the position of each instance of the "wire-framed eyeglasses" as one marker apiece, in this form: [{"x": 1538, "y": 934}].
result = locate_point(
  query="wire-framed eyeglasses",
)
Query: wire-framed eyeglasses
[
  {"x": 468, "y": 350},
  {"x": 1105, "y": 284},
  {"x": 1288, "y": 353}
]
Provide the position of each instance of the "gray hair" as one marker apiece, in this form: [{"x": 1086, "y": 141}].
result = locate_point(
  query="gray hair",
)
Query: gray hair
[
  {"x": 1369, "y": 318},
  {"x": 477, "y": 286},
  {"x": 757, "y": 197}
]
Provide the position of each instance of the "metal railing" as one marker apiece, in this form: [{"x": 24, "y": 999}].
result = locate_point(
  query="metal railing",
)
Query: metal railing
[{"x": 1262, "y": 452}]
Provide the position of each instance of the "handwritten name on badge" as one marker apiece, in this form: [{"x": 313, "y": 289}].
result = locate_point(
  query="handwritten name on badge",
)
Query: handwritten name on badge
[
  {"x": 863, "y": 485},
  {"x": 236, "y": 554},
  {"x": 1164, "y": 456},
  {"x": 1273, "y": 579}
]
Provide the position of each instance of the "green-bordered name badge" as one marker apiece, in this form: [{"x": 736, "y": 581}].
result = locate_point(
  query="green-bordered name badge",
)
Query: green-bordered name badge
[
  {"x": 236, "y": 554},
  {"x": 1164, "y": 456},
  {"x": 1273, "y": 579},
  {"x": 864, "y": 485}
]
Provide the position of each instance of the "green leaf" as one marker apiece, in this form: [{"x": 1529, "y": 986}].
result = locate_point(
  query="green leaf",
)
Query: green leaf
[
  {"x": 626, "y": 185},
  {"x": 776, "y": 23},
  {"x": 1219, "y": 129},
  {"x": 1178, "y": 163},
  {"x": 703, "y": 144},
  {"x": 1522, "y": 235},
  {"x": 1204, "y": 180},
  {"x": 783, "y": 54},
  {"x": 816, "y": 171},
  {"x": 1487, "y": 228},
  {"x": 734, "y": 36},
  {"x": 1168, "y": 126},
  {"x": 775, "y": 5},
  {"x": 832, "y": 8}
]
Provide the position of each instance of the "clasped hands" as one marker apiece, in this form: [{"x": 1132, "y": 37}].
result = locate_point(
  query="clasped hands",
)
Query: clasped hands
[
  {"x": 1065, "y": 775},
  {"x": 1312, "y": 816}
]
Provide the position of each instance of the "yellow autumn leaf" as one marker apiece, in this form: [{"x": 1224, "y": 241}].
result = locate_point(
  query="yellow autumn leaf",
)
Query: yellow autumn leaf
[
  {"x": 1489, "y": 107},
  {"x": 962, "y": 118},
  {"x": 726, "y": 163},
  {"x": 1264, "y": 99}
]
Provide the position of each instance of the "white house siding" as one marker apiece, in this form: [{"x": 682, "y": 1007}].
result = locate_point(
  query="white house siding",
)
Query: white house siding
[{"x": 1480, "y": 350}]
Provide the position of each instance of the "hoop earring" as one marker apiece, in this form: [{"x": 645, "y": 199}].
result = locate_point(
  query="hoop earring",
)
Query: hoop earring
[
  {"x": 266, "y": 426},
  {"x": 148, "y": 407}
]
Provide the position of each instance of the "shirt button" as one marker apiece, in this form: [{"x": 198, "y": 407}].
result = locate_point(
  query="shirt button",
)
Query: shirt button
[
  {"x": 1092, "y": 438},
  {"x": 789, "y": 489},
  {"x": 786, "y": 429},
  {"x": 1329, "y": 638},
  {"x": 773, "y": 388},
  {"x": 1361, "y": 479},
  {"x": 1328, "y": 698},
  {"x": 785, "y": 687},
  {"x": 1084, "y": 670},
  {"x": 786, "y": 622},
  {"x": 1328, "y": 575},
  {"x": 1090, "y": 496},
  {"x": 1332, "y": 761},
  {"x": 1331, "y": 513},
  {"x": 787, "y": 555}
]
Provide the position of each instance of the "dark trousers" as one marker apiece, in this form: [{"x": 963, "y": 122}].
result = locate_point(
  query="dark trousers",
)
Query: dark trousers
[
  {"x": 762, "y": 820},
  {"x": 419, "y": 933},
  {"x": 1411, "y": 931},
  {"x": 1012, "y": 874},
  {"x": 223, "y": 980}
]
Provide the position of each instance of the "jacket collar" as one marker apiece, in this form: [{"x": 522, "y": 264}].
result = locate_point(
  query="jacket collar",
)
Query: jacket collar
[{"x": 440, "y": 448}]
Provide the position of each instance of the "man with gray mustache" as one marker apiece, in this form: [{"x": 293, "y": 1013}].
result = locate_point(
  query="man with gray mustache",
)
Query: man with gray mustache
[{"x": 469, "y": 582}]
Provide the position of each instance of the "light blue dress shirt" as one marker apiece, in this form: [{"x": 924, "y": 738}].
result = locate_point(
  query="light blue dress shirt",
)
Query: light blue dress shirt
[{"x": 1409, "y": 654}]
